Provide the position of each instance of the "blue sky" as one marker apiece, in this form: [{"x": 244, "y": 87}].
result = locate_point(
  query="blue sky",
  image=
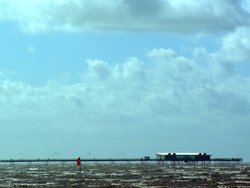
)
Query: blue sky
[{"x": 126, "y": 77}]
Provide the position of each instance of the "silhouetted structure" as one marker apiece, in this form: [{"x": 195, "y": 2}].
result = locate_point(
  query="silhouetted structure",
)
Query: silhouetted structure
[
  {"x": 161, "y": 158},
  {"x": 183, "y": 157}
]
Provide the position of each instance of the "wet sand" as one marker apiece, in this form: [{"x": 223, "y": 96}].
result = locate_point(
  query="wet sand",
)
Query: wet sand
[{"x": 124, "y": 175}]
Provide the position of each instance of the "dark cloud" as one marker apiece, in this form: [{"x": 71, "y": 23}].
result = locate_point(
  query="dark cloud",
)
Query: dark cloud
[
  {"x": 145, "y": 7},
  {"x": 127, "y": 15}
]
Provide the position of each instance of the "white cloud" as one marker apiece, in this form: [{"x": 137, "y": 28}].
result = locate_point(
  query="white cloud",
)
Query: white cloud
[
  {"x": 236, "y": 45},
  {"x": 125, "y": 15},
  {"x": 168, "y": 91},
  {"x": 98, "y": 69}
]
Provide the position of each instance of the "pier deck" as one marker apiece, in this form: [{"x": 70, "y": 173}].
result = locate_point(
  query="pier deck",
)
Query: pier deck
[{"x": 237, "y": 160}]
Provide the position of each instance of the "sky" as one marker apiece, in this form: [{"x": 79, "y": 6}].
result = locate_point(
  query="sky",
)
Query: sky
[{"x": 124, "y": 78}]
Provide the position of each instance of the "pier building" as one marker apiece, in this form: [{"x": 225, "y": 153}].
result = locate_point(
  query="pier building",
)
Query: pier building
[{"x": 185, "y": 157}]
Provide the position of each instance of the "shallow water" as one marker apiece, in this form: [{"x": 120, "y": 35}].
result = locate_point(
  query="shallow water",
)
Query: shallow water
[{"x": 124, "y": 175}]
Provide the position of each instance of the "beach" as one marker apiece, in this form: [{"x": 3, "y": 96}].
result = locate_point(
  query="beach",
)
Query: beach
[{"x": 124, "y": 175}]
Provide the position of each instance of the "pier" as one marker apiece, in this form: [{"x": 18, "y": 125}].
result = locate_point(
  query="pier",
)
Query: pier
[{"x": 140, "y": 160}]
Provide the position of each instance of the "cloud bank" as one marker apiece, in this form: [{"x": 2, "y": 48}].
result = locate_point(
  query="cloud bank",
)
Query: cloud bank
[
  {"x": 125, "y": 15},
  {"x": 167, "y": 90}
]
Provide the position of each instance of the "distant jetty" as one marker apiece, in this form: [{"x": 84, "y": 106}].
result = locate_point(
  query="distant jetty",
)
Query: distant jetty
[{"x": 161, "y": 158}]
